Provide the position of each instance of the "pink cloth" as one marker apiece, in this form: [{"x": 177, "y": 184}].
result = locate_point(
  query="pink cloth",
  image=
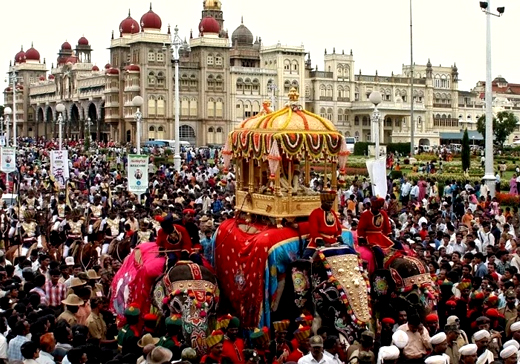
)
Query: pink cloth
[
  {"x": 422, "y": 189},
  {"x": 512, "y": 186},
  {"x": 367, "y": 256},
  {"x": 134, "y": 281}
]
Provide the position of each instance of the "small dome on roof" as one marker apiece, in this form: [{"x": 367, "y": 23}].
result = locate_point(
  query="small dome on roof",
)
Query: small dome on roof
[
  {"x": 20, "y": 56},
  {"x": 112, "y": 71},
  {"x": 83, "y": 41},
  {"x": 129, "y": 25},
  {"x": 133, "y": 68},
  {"x": 32, "y": 54},
  {"x": 151, "y": 20},
  {"x": 209, "y": 25},
  {"x": 242, "y": 36},
  {"x": 95, "y": 68},
  {"x": 66, "y": 46}
]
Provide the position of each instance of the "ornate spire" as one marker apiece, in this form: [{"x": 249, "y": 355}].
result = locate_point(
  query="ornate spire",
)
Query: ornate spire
[
  {"x": 242, "y": 20},
  {"x": 150, "y": 5},
  {"x": 129, "y": 13},
  {"x": 293, "y": 95}
]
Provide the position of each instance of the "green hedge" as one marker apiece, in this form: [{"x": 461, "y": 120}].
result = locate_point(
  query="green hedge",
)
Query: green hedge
[
  {"x": 401, "y": 148},
  {"x": 361, "y": 148}
]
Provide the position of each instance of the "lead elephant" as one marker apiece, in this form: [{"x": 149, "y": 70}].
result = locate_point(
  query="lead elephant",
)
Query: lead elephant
[
  {"x": 191, "y": 291},
  {"x": 253, "y": 261},
  {"x": 404, "y": 284}
]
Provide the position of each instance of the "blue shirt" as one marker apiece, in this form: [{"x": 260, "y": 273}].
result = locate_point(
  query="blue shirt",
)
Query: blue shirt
[
  {"x": 481, "y": 270},
  {"x": 207, "y": 246},
  {"x": 13, "y": 350}
]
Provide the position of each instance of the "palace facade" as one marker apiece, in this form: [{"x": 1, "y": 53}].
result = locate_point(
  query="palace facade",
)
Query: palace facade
[{"x": 223, "y": 80}]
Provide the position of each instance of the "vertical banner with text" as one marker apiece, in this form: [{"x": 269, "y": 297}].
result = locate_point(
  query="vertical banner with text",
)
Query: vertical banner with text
[
  {"x": 60, "y": 166},
  {"x": 137, "y": 173},
  {"x": 8, "y": 156},
  {"x": 377, "y": 173}
]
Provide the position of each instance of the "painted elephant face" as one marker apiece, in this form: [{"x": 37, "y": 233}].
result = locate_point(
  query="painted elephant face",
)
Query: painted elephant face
[
  {"x": 341, "y": 290},
  {"x": 191, "y": 291}
]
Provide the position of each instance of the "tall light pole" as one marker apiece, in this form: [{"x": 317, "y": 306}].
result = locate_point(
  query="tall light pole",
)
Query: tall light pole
[
  {"x": 7, "y": 112},
  {"x": 13, "y": 80},
  {"x": 60, "y": 108},
  {"x": 88, "y": 124},
  {"x": 376, "y": 98},
  {"x": 272, "y": 88},
  {"x": 176, "y": 45},
  {"x": 138, "y": 101},
  {"x": 412, "y": 105},
  {"x": 489, "y": 176}
]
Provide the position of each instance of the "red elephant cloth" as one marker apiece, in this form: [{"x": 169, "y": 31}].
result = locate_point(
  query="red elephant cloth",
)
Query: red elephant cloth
[
  {"x": 375, "y": 229},
  {"x": 166, "y": 242},
  {"x": 323, "y": 225}
]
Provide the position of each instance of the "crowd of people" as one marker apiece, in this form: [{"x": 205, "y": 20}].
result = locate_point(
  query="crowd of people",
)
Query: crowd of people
[{"x": 54, "y": 309}]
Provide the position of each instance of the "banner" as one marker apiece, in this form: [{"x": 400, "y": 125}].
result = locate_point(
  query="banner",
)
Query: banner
[
  {"x": 60, "y": 166},
  {"x": 8, "y": 160},
  {"x": 377, "y": 173},
  {"x": 137, "y": 173}
]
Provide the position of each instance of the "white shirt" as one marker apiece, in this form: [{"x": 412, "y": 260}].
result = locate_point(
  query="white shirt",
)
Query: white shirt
[
  {"x": 333, "y": 358},
  {"x": 45, "y": 358},
  {"x": 3, "y": 347},
  {"x": 309, "y": 359}
]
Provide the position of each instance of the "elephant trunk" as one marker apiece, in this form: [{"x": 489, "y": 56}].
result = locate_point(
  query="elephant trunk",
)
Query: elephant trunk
[{"x": 197, "y": 339}]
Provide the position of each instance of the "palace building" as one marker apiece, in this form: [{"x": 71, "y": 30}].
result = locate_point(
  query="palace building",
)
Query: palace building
[{"x": 224, "y": 80}]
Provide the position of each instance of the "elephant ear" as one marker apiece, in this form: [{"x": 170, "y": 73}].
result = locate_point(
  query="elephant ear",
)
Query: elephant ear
[{"x": 382, "y": 284}]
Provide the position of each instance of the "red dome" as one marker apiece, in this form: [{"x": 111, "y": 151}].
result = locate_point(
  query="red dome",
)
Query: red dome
[
  {"x": 19, "y": 87},
  {"x": 20, "y": 57},
  {"x": 150, "y": 20},
  {"x": 51, "y": 77},
  {"x": 32, "y": 54},
  {"x": 129, "y": 25},
  {"x": 83, "y": 41},
  {"x": 7, "y": 89},
  {"x": 95, "y": 68},
  {"x": 113, "y": 71},
  {"x": 209, "y": 25},
  {"x": 108, "y": 66},
  {"x": 42, "y": 78},
  {"x": 66, "y": 46},
  {"x": 133, "y": 68}
]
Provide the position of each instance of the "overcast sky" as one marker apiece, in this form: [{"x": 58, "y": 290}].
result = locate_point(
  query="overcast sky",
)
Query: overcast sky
[{"x": 377, "y": 31}]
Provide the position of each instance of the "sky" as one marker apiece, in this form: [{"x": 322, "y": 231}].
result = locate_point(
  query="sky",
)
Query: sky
[{"x": 377, "y": 31}]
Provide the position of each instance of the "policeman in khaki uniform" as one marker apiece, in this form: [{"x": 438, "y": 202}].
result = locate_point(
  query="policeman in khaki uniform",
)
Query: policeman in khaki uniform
[
  {"x": 97, "y": 288},
  {"x": 171, "y": 339},
  {"x": 129, "y": 335},
  {"x": 72, "y": 303}
]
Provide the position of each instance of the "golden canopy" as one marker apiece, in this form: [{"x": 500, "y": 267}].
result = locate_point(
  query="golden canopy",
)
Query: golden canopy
[{"x": 298, "y": 132}]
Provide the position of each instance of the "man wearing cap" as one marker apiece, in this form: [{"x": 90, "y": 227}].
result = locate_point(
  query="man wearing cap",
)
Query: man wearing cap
[
  {"x": 468, "y": 354},
  {"x": 509, "y": 355},
  {"x": 72, "y": 303},
  {"x": 388, "y": 355},
  {"x": 514, "y": 327},
  {"x": 324, "y": 225},
  {"x": 280, "y": 347},
  {"x": 93, "y": 282},
  {"x": 302, "y": 337},
  {"x": 432, "y": 324},
  {"x": 97, "y": 327},
  {"x": 481, "y": 339},
  {"x": 232, "y": 346},
  {"x": 128, "y": 336},
  {"x": 452, "y": 348},
  {"x": 374, "y": 226},
  {"x": 173, "y": 339},
  {"x": 316, "y": 355},
  {"x": 214, "y": 343},
  {"x": 365, "y": 345},
  {"x": 150, "y": 323},
  {"x": 439, "y": 344},
  {"x": 509, "y": 310}
]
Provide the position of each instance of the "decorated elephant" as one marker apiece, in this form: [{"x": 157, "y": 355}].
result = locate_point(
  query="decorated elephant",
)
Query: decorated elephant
[
  {"x": 333, "y": 287},
  {"x": 404, "y": 284},
  {"x": 191, "y": 291},
  {"x": 259, "y": 271}
]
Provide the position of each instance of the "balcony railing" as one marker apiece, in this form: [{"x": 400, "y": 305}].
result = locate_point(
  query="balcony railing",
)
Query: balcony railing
[
  {"x": 322, "y": 74},
  {"x": 325, "y": 98}
]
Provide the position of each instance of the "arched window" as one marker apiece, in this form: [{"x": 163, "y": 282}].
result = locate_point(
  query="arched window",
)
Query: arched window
[
  {"x": 329, "y": 91},
  {"x": 151, "y": 133},
  {"x": 329, "y": 113},
  {"x": 219, "y": 136},
  {"x": 365, "y": 121},
  {"x": 151, "y": 78},
  {"x": 210, "y": 60},
  {"x": 340, "y": 115},
  {"x": 151, "y": 56},
  {"x": 219, "y": 108},
  {"x": 356, "y": 121},
  {"x": 152, "y": 106},
  {"x": 211, "y": 130},
  {"x": 287, "y": 85},
  {"x": 185, "y": 106},
  {"x": 356, "y": 135},
  {"x": 186, "y": 132},
  {"x": 322, "y": 112},
  {"x": 160, "y": 132},
  {"x": 160, "y": 106},
  {"x": 160, "y": 79},
  {"x": 240, "y": 85},
  {"x": 287, "y": 65},
  {"x": 340, "y": 71},
  {"x": 347, "y": 134},
  {"x": 323, "y": 91},
  {"x": 437, "y": 81},
  {"x": 211, "y": 135},
  {"x": 193, "y": 106},
  {"x": 295, "y": 66},
  {"x": 256, "y": 86},
  {"x": 211, "y": 108},
  {"x": 218, "y": 60}
]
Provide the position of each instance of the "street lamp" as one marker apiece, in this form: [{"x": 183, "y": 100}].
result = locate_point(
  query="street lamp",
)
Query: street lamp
[
  {"x": 7, "y": 112},
  {"x": 272, "y": 88},
  {"x": 13, "y": 79},
  {"x": 176, "y": 45},
  {"x": 60, "y": 108},
  {"x": 138, "y": 101},
  {"x": 489, "y": 176},
  {"x": 88, "y": 124},
  {"x": 376, "y": 98}
]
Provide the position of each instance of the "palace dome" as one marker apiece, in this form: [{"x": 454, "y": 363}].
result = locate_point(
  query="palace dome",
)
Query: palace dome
[
  {"x": 95, "y": 68},
  {"x": 113, "y": 71},
  {"x": 20, "y": 56},
  {"x": 133, "y": 68},
  {"x": 129, "y": 25},
  {"x": 242, "y": 36},
  {"x": 83, "y": 41},
  {"x": 32, "y": 54},
  {"x": 209, "y": 25},
  {"x": 151, "y": 20},
  {"x": 66, "y": 46}
]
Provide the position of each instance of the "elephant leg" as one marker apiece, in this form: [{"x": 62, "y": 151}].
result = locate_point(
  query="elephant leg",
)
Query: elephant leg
[{"x": 279, "y": 292}]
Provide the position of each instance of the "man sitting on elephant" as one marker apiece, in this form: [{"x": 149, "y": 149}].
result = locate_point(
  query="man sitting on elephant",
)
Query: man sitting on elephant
[
  {"x": 374, "y": 226},
  {"x": 175, "y": 240},
  {"x": 324, "y": 225}
]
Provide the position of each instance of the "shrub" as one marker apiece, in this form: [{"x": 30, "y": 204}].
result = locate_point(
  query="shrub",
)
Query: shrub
[
  {"x": 401, "y": 148},
  {"x": 357, "y": 171},
  {"x": 507, "y": 198},
  {"x": 396, "y": 174},
  {"x": 361, "y": 148}
]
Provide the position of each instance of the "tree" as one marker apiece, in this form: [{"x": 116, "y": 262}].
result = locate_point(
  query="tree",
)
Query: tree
[
  {"x": 504, "y": 123},
  {"x": 466, "y": 155}
]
